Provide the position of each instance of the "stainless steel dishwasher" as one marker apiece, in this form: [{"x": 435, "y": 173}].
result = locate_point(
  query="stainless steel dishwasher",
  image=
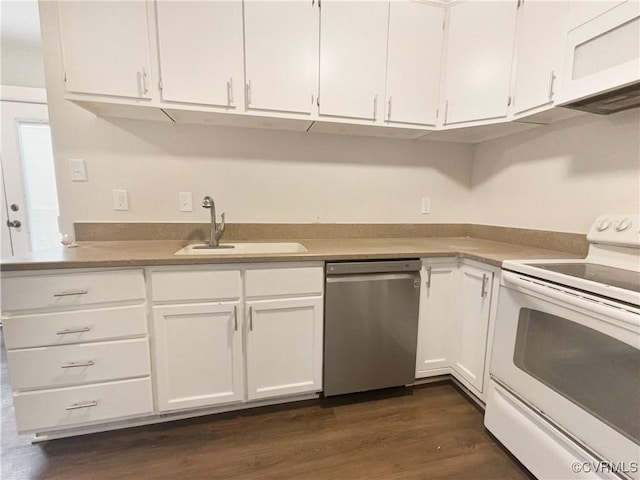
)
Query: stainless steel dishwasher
[{"x": 371, "y": 325}]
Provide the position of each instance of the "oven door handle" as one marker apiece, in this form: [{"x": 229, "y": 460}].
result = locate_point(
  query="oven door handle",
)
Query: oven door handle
[{"x": 566, "y": 298}]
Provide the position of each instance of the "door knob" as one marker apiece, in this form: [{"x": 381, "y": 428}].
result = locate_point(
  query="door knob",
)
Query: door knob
[{"x": 14, "y": 224}]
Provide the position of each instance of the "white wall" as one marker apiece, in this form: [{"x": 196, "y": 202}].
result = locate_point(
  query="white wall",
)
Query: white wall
[
  {"x": 559, "y": 177},
  {"x": 21, "y": 65}
]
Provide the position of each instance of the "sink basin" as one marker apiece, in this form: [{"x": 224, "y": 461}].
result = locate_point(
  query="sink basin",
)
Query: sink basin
[{"x": 243, "y": 248}]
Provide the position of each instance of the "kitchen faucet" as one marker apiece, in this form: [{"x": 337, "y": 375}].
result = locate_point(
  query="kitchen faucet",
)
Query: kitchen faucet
[{"x": 216, "y": 233}]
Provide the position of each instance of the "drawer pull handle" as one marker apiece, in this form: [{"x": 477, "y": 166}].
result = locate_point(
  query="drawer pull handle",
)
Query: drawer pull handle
[
  {"x": 67, "y": 331},
  {"x": 70, "y": 293},
  {"x": 76, "y": 406},
  {"x": 88, "y": 363}
]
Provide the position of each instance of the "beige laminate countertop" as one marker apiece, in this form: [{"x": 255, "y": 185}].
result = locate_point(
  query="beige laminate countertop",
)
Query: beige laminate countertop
[{"x": 161, "y": 252}]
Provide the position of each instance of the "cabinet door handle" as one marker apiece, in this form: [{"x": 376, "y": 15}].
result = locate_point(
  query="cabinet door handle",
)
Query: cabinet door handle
[
  {"x": 143, "y": 75},
  {"x": 375, "y": 107},
  {"x": 552, "y": 80},
  {"x": 428, "y": 277},
  {"x": 248, "y": 92},
  {"x": 483, "y": 292},
  {"x": 67, "y": 331},
  {"x": 446, "y": 112},
  {"x": 87, "y": 363},
  {"x": 235, "y": 318},
  {"x": 389, "y": 109},
  {"x": 69, "y": 293},
  {"x": 250, "y": 319},
  {"x": 76, "y": 406},
  {"x": 230, "y": 91}
]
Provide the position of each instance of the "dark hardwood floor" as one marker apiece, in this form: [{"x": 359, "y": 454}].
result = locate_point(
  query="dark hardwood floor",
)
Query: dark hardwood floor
[{"x": 427, "y": 432}]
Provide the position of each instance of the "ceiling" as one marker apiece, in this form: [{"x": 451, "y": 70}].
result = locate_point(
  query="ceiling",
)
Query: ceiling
[{"x": 20, "y": 23}]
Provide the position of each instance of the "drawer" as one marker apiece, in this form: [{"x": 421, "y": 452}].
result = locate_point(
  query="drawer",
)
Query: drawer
[
  {"x": 62, "y": 407},
  {"x": 48, "y": 367},
  {"x": 278, "y": 282},
  {"x": 71, "y": 289},
  {"x": 76, "y": 326},
  {"x": 195, "y": 285}
]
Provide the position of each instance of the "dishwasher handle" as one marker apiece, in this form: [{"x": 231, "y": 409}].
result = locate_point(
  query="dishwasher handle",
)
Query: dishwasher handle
[{"x": 376, "y": 277}]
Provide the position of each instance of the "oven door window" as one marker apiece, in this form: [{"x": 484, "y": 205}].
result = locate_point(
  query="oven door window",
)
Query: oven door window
[{"x": 593, "y": 370}]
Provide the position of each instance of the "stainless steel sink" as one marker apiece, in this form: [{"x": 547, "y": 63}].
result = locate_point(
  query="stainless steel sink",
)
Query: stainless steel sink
[{"x": 242, "y": 248}]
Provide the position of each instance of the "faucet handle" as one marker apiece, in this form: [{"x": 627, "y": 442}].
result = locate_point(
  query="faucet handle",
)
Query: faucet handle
[{"x": 223, "y": 225}]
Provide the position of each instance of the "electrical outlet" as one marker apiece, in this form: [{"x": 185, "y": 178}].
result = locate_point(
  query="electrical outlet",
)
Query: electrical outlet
[
  {"x": 186, "y": 201},
  {"x": 426, "y": 205},
  {"x": 120, "y": 200}
]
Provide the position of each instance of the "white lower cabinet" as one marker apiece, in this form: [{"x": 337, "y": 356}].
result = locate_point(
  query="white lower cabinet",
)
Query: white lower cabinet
[
  {"x": 457, "y": 300},
  {"x": 198, "y": 355},
  {"x": 284, "y": 347},
  {"x": 437, "y": 301},
  {"x": 77, "y": 347},
  {"x": 208, "y": 346},
  {"x": 470, "y": 345}
]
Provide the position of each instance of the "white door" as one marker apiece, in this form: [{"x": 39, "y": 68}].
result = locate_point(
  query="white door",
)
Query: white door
[
  {"x": 200, "y": 46},
  {"x": 105, "y": 47},
  {"x": 437, "y": 324},
  {"x": 197, "y": 355},
  {"x": 29, "y": 197},
  {"x": 471, "y": 338},
  {"x": 538, "y": 55},
  {"x": 414, "y": 57},
  {"x": 284, "y": 347},
  {"x": 478, "y": 64},
  {"x": 353, "y": 50},
  {"x": 281, "y": 54}
]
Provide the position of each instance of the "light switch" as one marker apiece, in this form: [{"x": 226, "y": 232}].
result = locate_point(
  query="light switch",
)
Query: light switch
[
  {"x": 78, "y": 170},
  {"x": 426, "y": 205},
  {"x": 186, "y": 201},
  {"x": 120, "y": 200}
]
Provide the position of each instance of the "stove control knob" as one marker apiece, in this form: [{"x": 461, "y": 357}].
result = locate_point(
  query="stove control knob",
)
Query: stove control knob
[
  {"x": 624, "y": 224},
  {"x": 604, "y": 224}
]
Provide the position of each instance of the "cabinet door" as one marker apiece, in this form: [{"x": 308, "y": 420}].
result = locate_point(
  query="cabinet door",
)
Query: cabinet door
[
  {"x": 105, "y": 48},
  {"x": 538, "y": 55},
  {"x": 200, "y": 46},
  {"x": 413, "y": 62},
  {"x": 198, "y": 355},
  {"x": 437, "y": 319},
  {"x": 353, "y": 47},
  {"x": 281, "y": 54},
  {"x": 284, "y": 347},
  {"x": 471, "y": 338},
  {"x": 478, "y": 65}
]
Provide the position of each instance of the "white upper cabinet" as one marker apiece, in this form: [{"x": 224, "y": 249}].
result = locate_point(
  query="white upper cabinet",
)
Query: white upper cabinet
[
  {"x": 416, "y": 32},
  {"x": 200, "y": 49},
  {"x": 281, "y": 55},
  {"x": 353, "y": 46},
  {"x": 105, "y": 48},
  {"x": 478, "y": 64},
  {"x": 538, "y": 56}
]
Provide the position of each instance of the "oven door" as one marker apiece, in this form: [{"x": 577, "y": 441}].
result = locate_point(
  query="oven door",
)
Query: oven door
[{"x": 576, "y": 360}]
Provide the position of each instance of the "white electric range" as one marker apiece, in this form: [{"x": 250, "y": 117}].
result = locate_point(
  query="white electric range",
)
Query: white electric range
[{"x": 564, "y": 395}]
